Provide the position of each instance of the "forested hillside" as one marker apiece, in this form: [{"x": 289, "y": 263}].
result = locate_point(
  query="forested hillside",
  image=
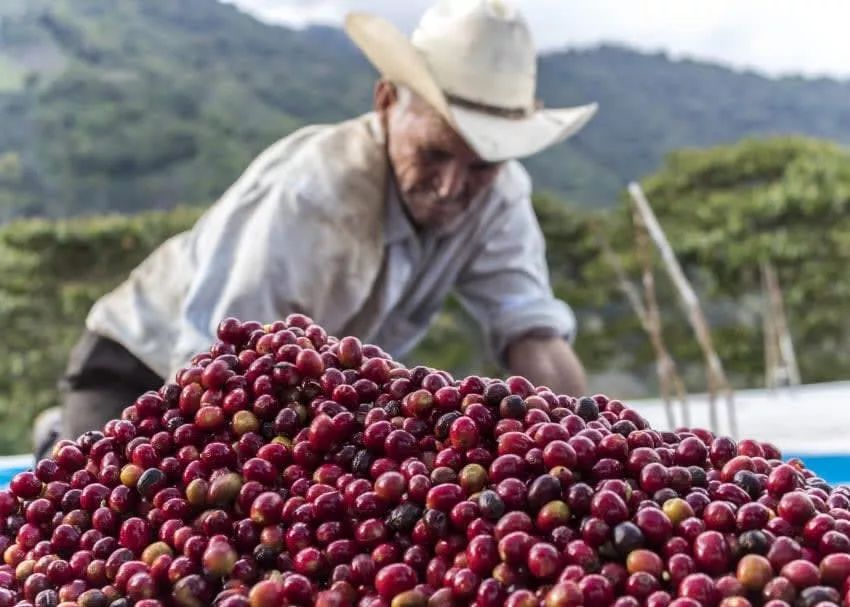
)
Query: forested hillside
[{"x": 144, "y": 104}]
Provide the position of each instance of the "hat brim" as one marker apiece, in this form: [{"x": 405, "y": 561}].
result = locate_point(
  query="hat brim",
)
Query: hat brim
[{"x": 494, "y": 138}]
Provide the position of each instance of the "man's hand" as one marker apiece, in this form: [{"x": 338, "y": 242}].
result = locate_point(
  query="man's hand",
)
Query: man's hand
[{"x": 548, "y": 361}]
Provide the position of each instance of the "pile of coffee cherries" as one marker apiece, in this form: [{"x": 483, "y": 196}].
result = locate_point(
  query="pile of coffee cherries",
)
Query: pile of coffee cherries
[{"x": 288, "y": 467}]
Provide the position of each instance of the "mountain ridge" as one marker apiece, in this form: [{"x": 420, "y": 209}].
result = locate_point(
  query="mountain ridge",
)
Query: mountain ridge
[{"x": 150, "y": 103}]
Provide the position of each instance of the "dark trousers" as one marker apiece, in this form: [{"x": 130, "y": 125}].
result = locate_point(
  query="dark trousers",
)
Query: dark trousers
[{"x": 102, "y": 378}]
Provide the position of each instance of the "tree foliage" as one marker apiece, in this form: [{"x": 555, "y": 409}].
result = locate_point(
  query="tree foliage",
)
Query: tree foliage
[{"x": 781, "y": 200}]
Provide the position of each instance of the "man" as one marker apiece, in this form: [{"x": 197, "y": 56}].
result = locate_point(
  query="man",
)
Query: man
[{"x": 365, "y": 226}]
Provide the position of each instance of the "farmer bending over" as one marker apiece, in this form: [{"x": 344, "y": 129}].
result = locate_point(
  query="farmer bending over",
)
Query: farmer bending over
[{"x": 366, "y": 226}]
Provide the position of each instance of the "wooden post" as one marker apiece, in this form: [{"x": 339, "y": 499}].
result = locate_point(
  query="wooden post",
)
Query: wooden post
[
  {"x": 715, "y": 374},
  {"x": 785, "y": 358},
  {"x": 665, "y": 366},
  {"x": 771, "y": 356},
  {"x": 644, "y": 255},
  {"x": 661, "y": 357}
]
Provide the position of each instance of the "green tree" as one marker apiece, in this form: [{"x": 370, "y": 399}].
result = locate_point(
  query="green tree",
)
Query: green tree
[{"x": 785, "y": 200}]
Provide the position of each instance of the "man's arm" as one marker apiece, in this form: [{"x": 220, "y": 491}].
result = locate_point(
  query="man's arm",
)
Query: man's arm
[
  {"x": 506, "y": 289},
  {"x": 548, "y": 361}
]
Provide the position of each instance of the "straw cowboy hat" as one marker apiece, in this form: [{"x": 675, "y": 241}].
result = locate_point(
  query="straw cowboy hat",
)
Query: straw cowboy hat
[{"x": 474, "y": 62}]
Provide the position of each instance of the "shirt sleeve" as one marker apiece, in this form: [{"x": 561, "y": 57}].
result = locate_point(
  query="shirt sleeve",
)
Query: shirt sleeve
[{"x": 505, "y": 286}]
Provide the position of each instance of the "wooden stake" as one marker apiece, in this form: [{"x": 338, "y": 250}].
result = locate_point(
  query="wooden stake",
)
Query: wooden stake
[
  {"x": 786, "y": 359},
  {"x": 644, "y": 255},
  {"x": 783, "y": 335},
  {"x": 771, "y": 356},
  {"x": 664, "y": 364},
  {"x": 715, "y": 375}
]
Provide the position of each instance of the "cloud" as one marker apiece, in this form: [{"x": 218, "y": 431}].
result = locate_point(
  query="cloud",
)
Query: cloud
[
  {"x": 772, "y": 37},
  {"x": 298, "y": 13}
]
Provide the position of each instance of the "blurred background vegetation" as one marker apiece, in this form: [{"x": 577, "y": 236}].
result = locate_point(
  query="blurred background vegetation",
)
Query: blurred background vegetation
[{"x": 121, "y": 121}]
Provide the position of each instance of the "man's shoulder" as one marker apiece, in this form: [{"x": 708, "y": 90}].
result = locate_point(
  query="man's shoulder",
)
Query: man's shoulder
[
  {"x": 326, "y": 163},
  {"x": 513, "y": 182},
  {"x": 348, "y": 144}
]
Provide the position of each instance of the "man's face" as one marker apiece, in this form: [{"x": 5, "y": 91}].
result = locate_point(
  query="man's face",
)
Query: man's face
[{"x": 437, "y": 173}]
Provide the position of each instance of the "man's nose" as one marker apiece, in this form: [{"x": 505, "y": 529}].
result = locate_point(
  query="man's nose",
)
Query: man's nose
[{"x": 452, "y": 180}]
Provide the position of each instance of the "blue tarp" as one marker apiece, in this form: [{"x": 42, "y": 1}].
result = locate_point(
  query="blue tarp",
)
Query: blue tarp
[{"x": 833, "y": 468}]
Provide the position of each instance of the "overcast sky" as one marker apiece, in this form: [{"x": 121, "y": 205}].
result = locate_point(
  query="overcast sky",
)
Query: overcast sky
[{"x": 772, "y": 36}]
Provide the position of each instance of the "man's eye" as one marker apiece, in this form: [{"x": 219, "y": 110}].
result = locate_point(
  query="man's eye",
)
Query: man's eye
[
  {"x": 483, "y": 167},
  {"x": 437, "y": 155}
]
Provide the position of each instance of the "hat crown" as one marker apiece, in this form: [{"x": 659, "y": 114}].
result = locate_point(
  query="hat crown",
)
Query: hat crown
[{"x": 480, "y": 51}]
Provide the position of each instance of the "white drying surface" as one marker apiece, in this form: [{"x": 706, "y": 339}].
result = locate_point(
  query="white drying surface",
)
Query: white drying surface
[{"x": 810, "y": 419}]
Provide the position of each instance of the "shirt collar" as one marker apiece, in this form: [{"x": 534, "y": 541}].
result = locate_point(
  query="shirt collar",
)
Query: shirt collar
[{"x": 397, "y": 225}]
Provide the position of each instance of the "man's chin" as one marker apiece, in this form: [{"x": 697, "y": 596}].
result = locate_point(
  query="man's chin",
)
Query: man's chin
[{"x": 433, "y": 218}]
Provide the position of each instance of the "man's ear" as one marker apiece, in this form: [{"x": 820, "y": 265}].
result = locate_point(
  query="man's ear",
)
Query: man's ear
[{"x": 386, "y": 95}]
